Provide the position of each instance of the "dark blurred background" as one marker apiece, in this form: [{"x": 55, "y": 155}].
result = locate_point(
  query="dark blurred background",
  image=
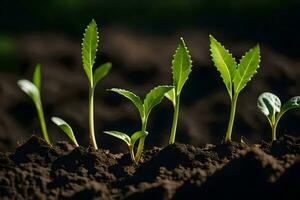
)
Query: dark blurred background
[{"x": 139, "y": 38}]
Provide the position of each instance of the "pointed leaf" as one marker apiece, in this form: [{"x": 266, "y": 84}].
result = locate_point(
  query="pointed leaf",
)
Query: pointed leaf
[
  {"x": 132, "y": 97},
  {"x": 269, "y": 104},
  {"x": 291, "y": 104},
  {"x": 137, "y": 135},
  {"x": 154, "y": 97},
  {"x": 66, "y": 128},
  {"x": 37, "y": 77},
  {"x": 181, "y": 66},
  {"x": 89, "y": 48},
  {"x": 224, "y": 63},
  {"x": 101, "y": 72},
  {"x": 120, "y": 135},
  {"x": 171, "y": 96},
  {"x": 247, "y": 67},
  {"x": 31, "y": 90}
]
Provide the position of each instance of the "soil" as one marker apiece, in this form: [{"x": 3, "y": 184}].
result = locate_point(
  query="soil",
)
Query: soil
[{"x": 37, "y": 170}]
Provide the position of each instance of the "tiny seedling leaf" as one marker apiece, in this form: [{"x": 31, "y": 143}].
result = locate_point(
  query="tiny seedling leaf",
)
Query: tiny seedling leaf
[
  {"x": 132, "y": 97},
  {"x": 31, "y": 90},
  {"x": 181, "y": 66},
  {"x": 154, "y": 97},
  {"x": 101, "y": 72},
  {"x": 37, "y": 77},
  {"x": 171, "y": 96},
  {"x": 137, "y": 135},
  {"x": 224, "y": 63},
  {"x": 120, "y": 135},
  {"x": 89, "y": 48},
  {"x": 291, "y": 104},
  {"x": 247, "y": 67},
  {"x": 66, "y": 128},
  {"x": 269, "y": 104}
]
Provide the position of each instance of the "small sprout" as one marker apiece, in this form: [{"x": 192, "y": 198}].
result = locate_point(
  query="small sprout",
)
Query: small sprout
[
  {"x": 235, "y": 76},
  {"x": 153, "y": 98},
  {"x": 88, "y": 52},
  {"x": 66, "y": 128},
  {"x": 130, "y": 141},
  {"x": 270, "y": 105},
  {"x": 181, "y": 68},
  {"x": 33, "y": 90}
]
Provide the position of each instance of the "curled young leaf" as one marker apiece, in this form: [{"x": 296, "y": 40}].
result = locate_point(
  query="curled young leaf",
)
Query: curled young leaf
[
  {"x": 37, "y": 77},
  {"x": 66, "y": 128},
  {"x": 291, "y": 104},
  {"x": 137, "y": 135},
  {"x": 269, "y": 104},
  {"x": 101, "y": 72},
  {"x": 120, "y": 135},
  {"x": 31, "y": 90}
]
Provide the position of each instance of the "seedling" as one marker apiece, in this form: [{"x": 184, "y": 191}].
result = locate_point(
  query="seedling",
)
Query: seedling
[
  {"x": 235, "y": 76},
  {"x": 33, "y": 90},
  {"x": 270, "y": 105},
  {"x": 153, "y": 98},
  {"x": 88, "y": 52},
  {"x": 181, "y": 68},
  {"x": 130, "y": 141},
  {"x": 66, "y": 128}
]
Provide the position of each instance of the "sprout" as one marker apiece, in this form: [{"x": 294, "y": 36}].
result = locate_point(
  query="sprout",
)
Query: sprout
[
  {"x": 33, "y": 90},
  {"x": 88, "y": 52},
  {"x": 153, "y": 98},
  {"x": 270, "y": 105},
  {"x": 181, "y": 68},
  {"x": 235, "y": 76}
]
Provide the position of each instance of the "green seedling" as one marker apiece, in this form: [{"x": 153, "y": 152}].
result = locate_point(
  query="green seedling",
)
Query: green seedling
[
  {"x": 88, "y": 52},
  {"x": 153, "y": 98},
  {"x": 235, "y": 76},
  {"x": 181, "y": 68},
  {"x": 270, "y": 105},
  {"x": 33, "y": 90},
  {"x": 130, "y": 141},
  {"x": 66, "y": 128}
]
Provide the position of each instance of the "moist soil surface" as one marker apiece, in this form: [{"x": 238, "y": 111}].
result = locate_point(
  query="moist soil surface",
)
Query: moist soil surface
[{"x": 37, "y": 170}]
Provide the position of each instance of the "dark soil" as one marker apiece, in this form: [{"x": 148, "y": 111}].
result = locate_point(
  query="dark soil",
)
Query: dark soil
[{"x": 226, "y": 171}]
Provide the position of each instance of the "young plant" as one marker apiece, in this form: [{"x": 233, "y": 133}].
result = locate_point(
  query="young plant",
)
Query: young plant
[
  {"x": 181, "y": 68},
  {"x": 66, "y": 128},
  {"x": 270, "y": 105},
  {"x": 88, "y": 52},
  {"x": 153, "y": 98},
  {"x": 33, "y": 90},
  {"x": 235, "y": 76},
  {"x": 130, "y": 141}
]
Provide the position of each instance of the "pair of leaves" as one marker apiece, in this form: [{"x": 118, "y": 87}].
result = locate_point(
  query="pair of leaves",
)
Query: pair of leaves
[
  {"x": 130, "y": 141},
  {"x": 88, "y": 53},
  {"x": 270, "y": 105},
  {"x": 154, "y": 97},
  {"x": 66, "y": 128},
  {"x": 235, "y": 77}
]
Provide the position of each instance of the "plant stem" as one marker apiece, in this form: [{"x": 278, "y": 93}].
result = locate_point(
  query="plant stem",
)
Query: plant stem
[
  {"x": 141, "y": 141},
  {"x": 274, "y": 128},
  {"x": 175, "y": 120},
  {"x": 42, "y": 122},
  {"x": 131, "y": 151},
  {"x": 231, "y": 119},
  {"x": 91, "y": 119}
]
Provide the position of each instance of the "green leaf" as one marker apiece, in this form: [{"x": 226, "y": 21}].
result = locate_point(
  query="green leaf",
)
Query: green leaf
[
  {"x": 120, "y": 135},
  {"x": 247, "y": 67},
  {"x": 269, "y": 104},
  {"x": 224, "y": 63},
  {"x": 66, "y": 128},
  {"x": 31, "y": 90},
  {"x": 154, "y": 97},
  {"x": 137, "y": 135},
  {"x": 89, "y": 48},
  {"x": 132, "y": 97},
  {"x": 37, "y": 77},
  {"x": 171, "y": 96},
  {"x": 291, "y": 104},
  {"x": 181, "y": 66},
  {"x": 101, "y": 72}
]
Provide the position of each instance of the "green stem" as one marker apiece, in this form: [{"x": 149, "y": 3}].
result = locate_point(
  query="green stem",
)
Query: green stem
[
  {"x": 231, "y": 119},
  {"x": 175, "y": 120},
  {"x": 141, "y": 141},
  {"x": 131, "y": 151},
  {"x": 274, "y": 128},
  {"x": 43, "y": 123},
  {"x": 91, "y": 119}
]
